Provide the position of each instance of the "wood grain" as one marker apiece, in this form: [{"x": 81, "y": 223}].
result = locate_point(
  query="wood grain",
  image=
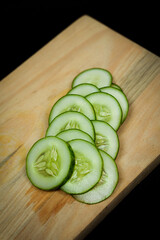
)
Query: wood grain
[{"x": 27, "y": 95}]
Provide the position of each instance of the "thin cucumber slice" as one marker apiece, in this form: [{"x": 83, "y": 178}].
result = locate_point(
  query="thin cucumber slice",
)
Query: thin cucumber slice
[
  {"x": 105, "y": 187},
  {"x": 72, "y": 103},
  {"x": 121, "y": 98},
  {"x": 87, "y": 170},
  {"x": 69, "y": 120},
  {"x": 96, "y": 76},
  {"x": 106, "y": 138},
  {"x": 84, "y": 89},
  {"x": 107, "y": 108},
  {"x": 70, "y": 134},
  {"x": 49, "y": 163},
  {"x": 116, "y": 86}
]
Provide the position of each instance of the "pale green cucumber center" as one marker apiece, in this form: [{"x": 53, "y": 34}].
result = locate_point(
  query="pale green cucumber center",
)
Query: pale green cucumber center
[
  {"x": 71, "y": 124},
  {"x": 48, "y": 163},
  {"x": 82, "y": 167},
  {"x": 73, "y": 108},
  {"x": 102, "y": 180},
  {"x": 102, "y": 112},
  {"x": 94, "y": 79},
  {"x": 101, "y": 142}
]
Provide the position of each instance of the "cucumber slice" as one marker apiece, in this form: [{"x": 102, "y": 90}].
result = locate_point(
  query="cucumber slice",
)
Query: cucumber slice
[
  {"x": 105, "y": 187},
  {"x": 69, "y": 120},
  {"x": 49, "y": 163},
  {"x": 121, "y": 98},
  {"x": 107, "y": 108},
  {"x": 84, "y": 89},
  {"x": 114, "y": 85},
  {"x": 96, "y": 76},
  {"x": 70, "y": 134},
  {"x": 106, "y": 138},
  {"x": 87, "y": 170},
  {"x": 72, "y": 103}
]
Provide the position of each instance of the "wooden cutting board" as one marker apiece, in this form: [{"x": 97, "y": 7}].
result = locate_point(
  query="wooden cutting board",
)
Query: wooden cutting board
[{"x": 26, "y": 97}]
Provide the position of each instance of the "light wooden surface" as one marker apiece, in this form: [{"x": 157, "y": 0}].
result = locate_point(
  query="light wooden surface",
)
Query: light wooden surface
[{"x": 26, "y": 97}]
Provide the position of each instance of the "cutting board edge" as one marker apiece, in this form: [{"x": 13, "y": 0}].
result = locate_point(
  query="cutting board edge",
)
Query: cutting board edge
[
  {"x": 87, "y": 16},
  {"x": 99, "y": 217},
  {"x": 114, "y": 203}
]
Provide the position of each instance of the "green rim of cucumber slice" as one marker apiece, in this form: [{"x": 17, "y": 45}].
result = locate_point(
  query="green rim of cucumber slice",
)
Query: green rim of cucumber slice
[
  {"x": 75, "y": 103},
  {"x": 49, "y": 163},
  {"x": 114, "y": 85},
  {"x": 121, "y": 98},
  {"x": 84, "y": 89},
  {"x": 87, "y": 170},
  {"x": 106, "y": 185},
  {"x": 70, "y": 120},
  {"x": 107, "y": 108},
  {"x": 106, "y": 138},
  {"x": 71, "y": 134}
]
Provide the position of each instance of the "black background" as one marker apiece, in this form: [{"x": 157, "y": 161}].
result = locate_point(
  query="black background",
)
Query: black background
[{"x": 25, "y": 28}]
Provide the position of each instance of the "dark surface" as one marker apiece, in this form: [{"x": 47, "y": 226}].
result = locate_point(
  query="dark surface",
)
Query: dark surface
[{"x": 25, "y": 29}]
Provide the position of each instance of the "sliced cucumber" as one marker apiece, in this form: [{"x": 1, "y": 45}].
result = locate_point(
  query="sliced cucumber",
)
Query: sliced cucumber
[
  {"x": 121, "y": 98},
  {"x": 72, "y": 103},
  {"x": 70, "y": 134},
  {"x": 114, "y": 85},
  {"x": 84, "y": 89},
  {"x": 104, "y": 188},
  {"x": 107, "y": 108},
  {"x": 49, "y": 163},
  {"x": 106, "y": 138},
  {"x": 69, "y": 120},
  {"x": 96, "y": 76},
  {"x": 81, "y": 143},
  {"x": 87, "y": 170}
]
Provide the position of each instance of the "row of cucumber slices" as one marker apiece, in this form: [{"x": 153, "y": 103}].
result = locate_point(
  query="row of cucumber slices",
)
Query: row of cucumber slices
[{"x": 81, "y": 144}]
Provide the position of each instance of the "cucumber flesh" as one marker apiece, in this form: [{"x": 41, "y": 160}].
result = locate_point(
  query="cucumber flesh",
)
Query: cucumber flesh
[
  {"x": 105, "y": 187},
  {"x": 107, "y": 108},
  {"x": 70, "y": 120},
  {"x": 121, "y": 98},
  {"x": 49, "y": 163},
  {"x": 81, "y": 143},
  {"x": 71, "y": 134},
  {"x": 72, "y": 103},
  {"x": 84, "y": 89},
  {"x": 87, "y": 170},
  {"x": 106, "y": 138},
  {"x": 96, "y": 76}
]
